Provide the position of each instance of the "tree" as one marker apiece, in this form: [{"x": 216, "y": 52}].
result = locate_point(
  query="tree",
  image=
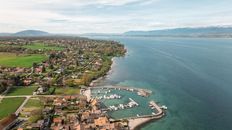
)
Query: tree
[
  {"x": 3, "y": 86},
  {"x": 43, "y": 69},
  {"x": 86, "y": 79},
  {"x": 70, "y": 83}
]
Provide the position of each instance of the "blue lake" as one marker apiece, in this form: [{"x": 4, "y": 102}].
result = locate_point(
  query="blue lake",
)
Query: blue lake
[{"x": 191, "y": 76}]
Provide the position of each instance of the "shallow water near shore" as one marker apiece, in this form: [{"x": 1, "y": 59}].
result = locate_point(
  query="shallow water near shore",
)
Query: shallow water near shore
[{"x": 191, "y": 76}]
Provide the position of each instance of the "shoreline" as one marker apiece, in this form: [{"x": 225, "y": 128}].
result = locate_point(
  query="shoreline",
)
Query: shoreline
[
  {"x": 138, "y": 123},
  {"x": 143, "y": 124},
  {"x": 134, "y": 123},
  {"x": 96, "y": 82}
]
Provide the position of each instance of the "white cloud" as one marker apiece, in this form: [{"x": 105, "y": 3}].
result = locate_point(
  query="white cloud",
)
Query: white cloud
[
  {"x": 114, "y": 2},
  {"x": 83, "y": 16},
  {"x": 75, "y": 2}
]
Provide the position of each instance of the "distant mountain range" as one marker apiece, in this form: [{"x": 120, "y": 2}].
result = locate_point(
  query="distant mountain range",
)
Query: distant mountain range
[
  {"x": 32, "y": 33},
  {"x": 203, "y": 31},
  {"x": 178, "y": 32}
]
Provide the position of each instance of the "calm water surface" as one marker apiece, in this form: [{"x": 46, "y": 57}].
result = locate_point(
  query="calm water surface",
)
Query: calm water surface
[{"x": 191, "y": 76}]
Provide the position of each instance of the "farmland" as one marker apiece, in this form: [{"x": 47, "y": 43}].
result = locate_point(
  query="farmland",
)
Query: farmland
[
  {"x": 22, "y": 60},
  {"x": 16, "y": 91},
  {"x": 9, "y": 106},
  {"x": 33, "y": 103},
  {"x": 41, "y": 46},
  {"x": 67, "y": 91}
]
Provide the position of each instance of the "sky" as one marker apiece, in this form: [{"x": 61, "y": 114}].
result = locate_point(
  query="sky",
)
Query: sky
[{"x": 111, "y": 16}]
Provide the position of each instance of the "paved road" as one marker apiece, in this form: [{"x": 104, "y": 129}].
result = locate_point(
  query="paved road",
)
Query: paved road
[{"x": 22, "y": 105}]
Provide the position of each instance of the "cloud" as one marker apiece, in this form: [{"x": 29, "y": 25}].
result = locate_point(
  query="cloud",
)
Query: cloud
[
  {"x": 110, "y": 2},
  {"x": 113, "y": 16},
  {"x": 81, "y": 2}
]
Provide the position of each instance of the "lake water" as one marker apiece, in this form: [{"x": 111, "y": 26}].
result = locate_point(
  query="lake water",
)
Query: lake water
[{"x": 191, "y": 76}]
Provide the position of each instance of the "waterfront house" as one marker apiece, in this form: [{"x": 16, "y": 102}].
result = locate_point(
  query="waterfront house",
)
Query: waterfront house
[{"x": 101, "y": 121}]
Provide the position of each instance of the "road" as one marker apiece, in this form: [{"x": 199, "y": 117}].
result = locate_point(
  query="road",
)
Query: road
[{"x": 22, "y": 105}]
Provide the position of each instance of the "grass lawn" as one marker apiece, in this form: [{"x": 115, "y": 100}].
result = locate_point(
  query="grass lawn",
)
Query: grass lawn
[
  {"x": 33, "y": 103},
  {"x": 9, "y": 106},
  {"x": 67, "y": 91},
  {"x": 34, "y": 106},
  {"x": 28, "y": 90},
  {"x": 37, "y": 46},
  {"x": 12, "y": 60}
]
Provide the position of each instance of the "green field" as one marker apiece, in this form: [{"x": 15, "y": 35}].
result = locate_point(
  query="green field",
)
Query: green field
[
  {"x": 32, "y": 102},
  {"x": 67, "y": 91},
  {"x": 12, "y": 60},
  {"x": 41, "y": 46},
  {"x": 9, "y": 106},
  {"x": 21, "y": 91}
]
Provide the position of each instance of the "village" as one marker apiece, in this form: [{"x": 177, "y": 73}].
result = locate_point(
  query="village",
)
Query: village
[
  {"x": 41, "y": 78},
  {"x": 46, "y": 84}
]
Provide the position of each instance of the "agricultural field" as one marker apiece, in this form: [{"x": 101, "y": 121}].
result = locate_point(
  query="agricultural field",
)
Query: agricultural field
[
  {"x": 21, "y": 60},
  {"x": 9, "y": 106},
  {"x": 33, "y": 103},
  {"x": 16, "y": 91},
  {"x": 34, "y": 107},
  {"x": 41, "y": 46},
  {"x": 67, "y": 91}
]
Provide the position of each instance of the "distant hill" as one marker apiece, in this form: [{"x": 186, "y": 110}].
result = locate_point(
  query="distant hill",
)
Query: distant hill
[
  {"x": 203, "y": 31},
  {"x": 31, "y": 33},
  {"x": 5, "y": 34}
]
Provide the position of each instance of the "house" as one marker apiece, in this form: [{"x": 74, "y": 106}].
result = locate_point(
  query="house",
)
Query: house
[
  {"x": 98, "y": 112},
  {"x": 101, "y": 121},
  {"x": 27, "y": 82},
  {"x": 94, "y": 102},
  {"x": 38, "y": 125},
  {"x": 38, "y": 70},
  {"x": 110, "y": 126},
  {"x": 41, "y": 90},
  {"x": 78, "y": 127},
  {"x": 57, "y": 120},
  {"x": 85, "y": 115},
  {"x": 58, "y": 102}
]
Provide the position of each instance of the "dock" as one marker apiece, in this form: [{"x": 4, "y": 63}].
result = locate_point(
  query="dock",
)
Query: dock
[
  {"x": 140, "y": 92},
  {"x": 135, "y": 122}
]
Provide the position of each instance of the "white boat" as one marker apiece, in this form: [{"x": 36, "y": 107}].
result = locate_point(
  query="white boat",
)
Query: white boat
[{"x": 164, "y": 107}]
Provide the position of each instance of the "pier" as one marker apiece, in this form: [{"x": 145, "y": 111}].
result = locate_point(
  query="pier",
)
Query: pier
[
  {"x": 140, "y": 92},
  {"x": 135, "y": 122},
  {"x": 130, "y": 104}
]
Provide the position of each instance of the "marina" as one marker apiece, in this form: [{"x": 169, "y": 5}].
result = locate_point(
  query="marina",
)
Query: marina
[
  {"x": 126, "y": 103},
  {"x": 114, "y": 96},
  {"x": 130, "y": 104},
  {"x": 140, "y": 92}
]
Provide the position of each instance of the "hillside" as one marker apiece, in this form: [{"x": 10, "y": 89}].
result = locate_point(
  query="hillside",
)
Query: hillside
[
  {"x": 204, "y": 31},
  {"x": 31, "y": 33}
]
